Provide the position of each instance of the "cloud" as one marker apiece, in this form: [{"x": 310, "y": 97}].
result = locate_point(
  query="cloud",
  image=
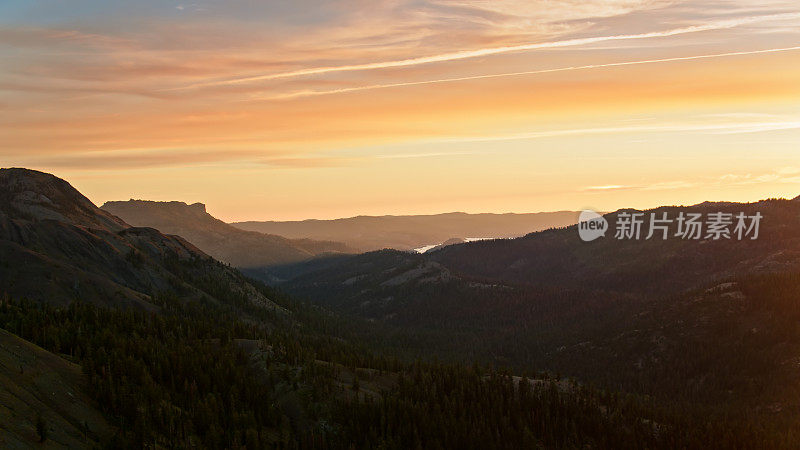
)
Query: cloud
[
  {"x": 527, "y": 11},
  {"x": 311, "y": 93},
  {"x": 82, "y": 84},
  {"x": 425, "y": 155},
  {"x": 48, "y": 37},
  {"x": 310, "y": 162},
  {"x": 667, "y": 185},
  {"x": 781, "y": 175},
  {"x": 137, "y": 159},
  {"x": 788, "y": 170},
  {"x": 761, "y": 127},
  {"x": 467, "y": 54},
  {"x": 730, "y": 179},
  {"x": 610, "y": 187},
  {"x": 660, "y": 186},
  {"x": 176, "y": 157},
  {"x": 712, "y": 128}
]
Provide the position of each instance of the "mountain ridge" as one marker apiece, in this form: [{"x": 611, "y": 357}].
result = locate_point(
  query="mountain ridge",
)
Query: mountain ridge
[
  {"x": 407, "y": 232},
  {"x": 40, "y": 196},
  {"x": 65, "y": 248},
  {"x": 240, "y": 248},
  {"x": 549, "y": 299}
]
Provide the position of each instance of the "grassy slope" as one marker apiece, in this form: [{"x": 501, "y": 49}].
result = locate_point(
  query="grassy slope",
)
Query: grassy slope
[{"x": 34, "y": 381}]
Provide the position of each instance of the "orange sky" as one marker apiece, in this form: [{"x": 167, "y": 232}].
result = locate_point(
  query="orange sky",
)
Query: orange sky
[{"x": 291, "y": 110}]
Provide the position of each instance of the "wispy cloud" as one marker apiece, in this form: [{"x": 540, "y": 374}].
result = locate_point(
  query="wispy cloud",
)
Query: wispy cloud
[
  {"x": 760, "y": 127},
  {"x": 788, "y": 171},
  {"x": 425, "y": 155},
  {"x": 668, "y": 185},
  {"x": 711, "y": 128},
  {"x": 87, "y": 91},
  {"x": 310, "y": 162},
  {"x": 781, "y": 175},
  {"x": 466, "y": 54},
  {"x": 609, "y": 187},
  {"x": 727, "y": 180},
  {"x": 311, "y": 93},
  {"x": 48, "y": 37},
  {"x": 659, "y": 186},
  {"x": 559, "y": 10},
  {"x": 137, "y": 159}
]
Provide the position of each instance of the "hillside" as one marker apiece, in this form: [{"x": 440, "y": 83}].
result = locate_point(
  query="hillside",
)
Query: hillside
[
  {"x": 35, "y": 383},
  {"x": 624, "y": 314},
  {"x": 242, "y": 249},
  {"x": 557, "y": 259},
  {"x": 367, "y": 233},
  {"x": 560, "y": 258},
  {"x": 56, "y": 247}
]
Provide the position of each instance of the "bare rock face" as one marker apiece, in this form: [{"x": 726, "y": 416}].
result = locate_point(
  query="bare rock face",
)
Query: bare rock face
[{"x": 33, "y": 196}]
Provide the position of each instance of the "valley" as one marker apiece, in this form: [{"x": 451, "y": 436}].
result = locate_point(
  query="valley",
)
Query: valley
[{"x": 566, "y": 343}]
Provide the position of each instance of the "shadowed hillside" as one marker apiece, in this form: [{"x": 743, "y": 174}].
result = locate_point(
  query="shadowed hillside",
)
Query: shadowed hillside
[
  {"x": 243, "y": 249},
  {"x": 644, "y": 266},
  {"x": 696, "y": 320},
  {"x": 37, "y": 386}
]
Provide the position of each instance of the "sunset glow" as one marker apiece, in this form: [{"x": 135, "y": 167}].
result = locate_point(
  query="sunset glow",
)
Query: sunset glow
[{"x": 321, "y": 109}]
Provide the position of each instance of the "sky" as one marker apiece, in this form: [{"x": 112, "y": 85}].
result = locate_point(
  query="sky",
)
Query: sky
[{"x": 295, "y": 109}]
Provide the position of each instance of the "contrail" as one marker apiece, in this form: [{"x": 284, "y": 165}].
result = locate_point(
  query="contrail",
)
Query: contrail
[
  {"x": 465, "y": 54},
  {"x": 310, "y": 93},
  {"x": 724, "y": 128}
]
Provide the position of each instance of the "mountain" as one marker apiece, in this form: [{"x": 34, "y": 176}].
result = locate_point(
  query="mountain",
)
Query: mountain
[
  {"x": 703, "y": 321},
  {"x": 242, "y": 249},
  {"x": 178, "y": 350},
  {"x": 557, "y": 259},
  {"x": 367, "y": 233},
  {"x": 560, "y": 258},
  {"x": 56, "y": 246}
]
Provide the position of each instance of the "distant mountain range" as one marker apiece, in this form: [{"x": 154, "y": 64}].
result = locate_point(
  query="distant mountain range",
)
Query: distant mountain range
[
  {"x": 242, "y": 249},
  {"x": 367, "y": 233}
]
